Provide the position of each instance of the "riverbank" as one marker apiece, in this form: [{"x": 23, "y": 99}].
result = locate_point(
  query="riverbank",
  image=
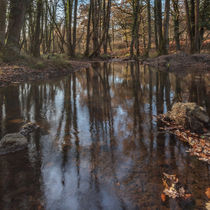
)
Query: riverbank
[
  {"x": 30, "y": 69},
  {"x": 181, "y": 62}
]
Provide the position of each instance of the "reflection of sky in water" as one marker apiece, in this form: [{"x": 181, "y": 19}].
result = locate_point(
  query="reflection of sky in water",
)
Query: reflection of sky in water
[{"x": 101, "y": 149}]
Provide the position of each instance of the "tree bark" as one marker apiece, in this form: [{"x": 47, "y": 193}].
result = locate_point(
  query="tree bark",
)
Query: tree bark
[
  {"x": 74, "y": 28},
  {"x": 16, "y": 20},
  {"x": 88, "y": 29},
  {"x": 166, "y": 26},
  {"x": 161, "y": 47},
  {"x": 36, "y": 44},
  {"x": 197, "y": 38},
  {"x": 176, "y": 23},
  {"x": 3, "y": 7},
  {"x": 189, "y": 26},
  {"x": 149, "y": 25},
  {"x": 155, "y": 24}
]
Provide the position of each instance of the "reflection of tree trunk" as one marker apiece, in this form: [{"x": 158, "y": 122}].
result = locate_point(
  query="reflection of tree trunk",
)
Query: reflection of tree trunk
[
  {"x": 75, "y": 126},
  {"x": 12, "y": 112},
  {"x": 167, "y": 91}
]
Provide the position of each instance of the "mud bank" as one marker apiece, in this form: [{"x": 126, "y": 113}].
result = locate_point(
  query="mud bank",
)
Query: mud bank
[
  {"x": 17, "y": 73},
  {"x": 181, "y": 62}
]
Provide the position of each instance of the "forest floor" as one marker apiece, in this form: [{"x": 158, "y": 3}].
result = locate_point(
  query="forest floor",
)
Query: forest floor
[
  {"x": 181, "y": 62},
  {"x": 31, "y": 69}
]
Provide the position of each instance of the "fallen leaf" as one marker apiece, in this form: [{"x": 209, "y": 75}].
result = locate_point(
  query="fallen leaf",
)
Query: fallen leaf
[
  {"x": 187, "y": 196},
  {"x": 163, "y": 197},
  {"x": 208, "y": 192}
]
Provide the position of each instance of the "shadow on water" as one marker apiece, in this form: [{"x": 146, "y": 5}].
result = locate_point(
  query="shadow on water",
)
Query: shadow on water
[{"x": 99, "y": 146}]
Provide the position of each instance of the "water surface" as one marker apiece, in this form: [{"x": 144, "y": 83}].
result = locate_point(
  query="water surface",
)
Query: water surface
[{"x": 99, "y": 146}]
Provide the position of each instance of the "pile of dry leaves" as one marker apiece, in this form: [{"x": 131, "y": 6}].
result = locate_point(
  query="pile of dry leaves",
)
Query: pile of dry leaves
[{"x": 200, "y": 143}]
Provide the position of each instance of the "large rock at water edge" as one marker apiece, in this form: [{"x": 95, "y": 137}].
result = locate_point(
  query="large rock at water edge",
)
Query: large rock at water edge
[
  {"x": 13, "y": 142},
  {"x": 189, "y": 115}
]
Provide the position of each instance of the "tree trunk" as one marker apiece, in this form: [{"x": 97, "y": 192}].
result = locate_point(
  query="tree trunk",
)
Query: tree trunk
[
  {"x": 16, "y": 20},
  {"x": 74, "y": 28},
  {"x": 36, "y": 47},
  {"x": 88, "y": 30},
  {"x": 161, "y": 46},
  {"x": 176, "y": 23},
  {"x": 197, "y": 38},
  {"x": 3, "y": 7},
  {"x": 166, "y": 26},
  {"x": 106, "y": 25},
  {"x": 149, "y": 26},
  {"x": 155, "y": 25},
  {"x": 189, "y": 26},
  {"x": 95, "y": 23},
  {"x": 135, "y": 29},
  {"x": 69, "y": 10}
]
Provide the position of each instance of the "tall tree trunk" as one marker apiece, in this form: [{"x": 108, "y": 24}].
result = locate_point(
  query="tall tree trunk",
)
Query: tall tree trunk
[
  {"x": 88, "y": 29},
  {"x": 166, "y": 26},
  {"x": 74, "y": 28},
  {"x": 155, "y": 24},
  {"x": 161, "y": 49},
  {"x": 69, "y": 10},
  {"x": 135, "y": 29},
  {"x": 197, "y": 38},
  {"x": 16, "y": 20},
  {"x": 95, "y": 23},
  {"x": 189, "y": 25},
  {"x": 3, "y": 7},
  {"x": 176, "y": 23},
  {"x": 149, "y": 26},
  {"x": 36, "y": 47},
  {"x": 106, "y": 24}
]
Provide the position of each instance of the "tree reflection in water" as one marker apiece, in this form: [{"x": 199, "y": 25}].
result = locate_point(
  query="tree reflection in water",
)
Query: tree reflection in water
[{"x": 98, "y": 146}]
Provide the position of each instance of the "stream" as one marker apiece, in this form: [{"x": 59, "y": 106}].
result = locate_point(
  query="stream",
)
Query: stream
[{"x": 98, "y": 146}]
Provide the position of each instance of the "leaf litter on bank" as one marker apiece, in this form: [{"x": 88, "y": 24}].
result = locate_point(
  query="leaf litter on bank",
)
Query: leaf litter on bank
[{"x": 200, "y": 144}]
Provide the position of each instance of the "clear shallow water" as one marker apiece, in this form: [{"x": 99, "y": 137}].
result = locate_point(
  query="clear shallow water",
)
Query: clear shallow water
[{"x": 99, "y": 147}]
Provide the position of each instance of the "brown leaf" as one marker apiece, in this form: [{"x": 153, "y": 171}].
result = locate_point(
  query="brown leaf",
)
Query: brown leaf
[
  {"x": 187, "y": 196},
  {"x": 208, "y": 192},
  {"x": 163, "y": 197}
]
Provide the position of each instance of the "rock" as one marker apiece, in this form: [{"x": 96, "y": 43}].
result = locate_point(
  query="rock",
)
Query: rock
[
  {"x": 13, "y": 142},
  {"x": 17, "y": 141},
  {"x": 189, "y": 115},
  {"x": 28, "y": 128}
]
